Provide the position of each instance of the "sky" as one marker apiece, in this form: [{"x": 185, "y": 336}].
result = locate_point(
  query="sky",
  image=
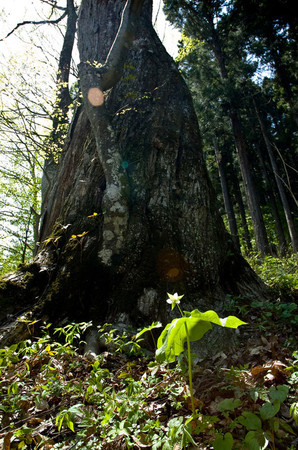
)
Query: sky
[{"x": 19, "y": 10}]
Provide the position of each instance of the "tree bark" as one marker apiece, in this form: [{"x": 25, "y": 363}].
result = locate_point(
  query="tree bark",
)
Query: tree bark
[
  {"x": 226, "y": 196},
  {"x": 282, "y": 243},
  {"x": 131, "y": 214},
  {"x": 239, "y": 201},
  {"x": 284, "y": 200}
]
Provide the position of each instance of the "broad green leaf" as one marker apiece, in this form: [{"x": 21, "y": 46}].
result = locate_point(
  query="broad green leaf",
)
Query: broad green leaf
[
  {"x": 274, "y": 424},
  {"x": 250, "y": 420},
  {"x": 294, "y": 411},
  {"x": 232, "y": 322},
  {"x": 76, "y": 409},
  {"x": 223, "y": 442},
  {"x": 212, "y": 316},
  {"x": 286, "y": 427},
  {"x": 269, "y": 410},
  {"x": 172, "y": 339},
  {"x": 13, "y": 347},
  {"x": 280, "y": 393},
  {"x": 256, "y": 440},
  {"x": 151, "y": 327},
  {"x": 70, "y": 425},
  {"x": 229, "y": 404},
  {"x": 89, "y": 391},
  {"x": 59, "y": 422}
]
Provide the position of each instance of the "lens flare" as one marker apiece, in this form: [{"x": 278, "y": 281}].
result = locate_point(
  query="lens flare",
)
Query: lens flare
[
  {"x": 95, "y": 97},
  {"x": 171, "y": 266},
  {"x": 124, "y": 164}
]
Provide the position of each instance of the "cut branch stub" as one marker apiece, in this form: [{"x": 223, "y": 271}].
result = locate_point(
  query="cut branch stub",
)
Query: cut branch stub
[{"x": 95, "y": 96}]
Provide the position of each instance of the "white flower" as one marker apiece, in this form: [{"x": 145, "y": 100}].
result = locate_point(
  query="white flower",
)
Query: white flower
[{"x": 174, "y": 299}]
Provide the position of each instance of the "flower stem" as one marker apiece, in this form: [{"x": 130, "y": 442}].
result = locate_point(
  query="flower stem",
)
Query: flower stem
[
  {"x": 182, "y": 314},
  {"x": 155, "y": 346},
  {"x": 190, "y": 372},
  {"x": 189, "y": 365}
]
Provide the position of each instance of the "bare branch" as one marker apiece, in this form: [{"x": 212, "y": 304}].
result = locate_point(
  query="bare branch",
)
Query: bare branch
[
  {"x": 53, "y": 4},
  {"x": 33, "y": 22}
]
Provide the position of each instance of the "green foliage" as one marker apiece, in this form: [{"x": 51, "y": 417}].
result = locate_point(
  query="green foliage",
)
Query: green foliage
[
  {"x": 279, "y": 273},
  {"x": 190, "y": 327},
  {"x": 223, "y": 442},
  {"x": 24, "y": 124},
  {"x": 229, "y": 404},
  {"x": 171, "y": 341},
  {"x": 123, "y": 342},
  {"x": 280, "y": 313},
  {"x": 91, "y": 403},
  {"x": 73, "y": 331},
  {"x": 294, "y": 411}
]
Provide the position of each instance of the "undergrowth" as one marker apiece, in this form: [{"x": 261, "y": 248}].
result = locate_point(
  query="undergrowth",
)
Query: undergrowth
[
  {"x": 278, "y": 314},
  {"x": 53, "y": 396},
  {"x": 279, "y": 273}
]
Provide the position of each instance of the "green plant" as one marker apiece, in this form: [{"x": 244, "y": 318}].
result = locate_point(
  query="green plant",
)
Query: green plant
[
  {"x": 121, "y": 400},
  {"x": 67, "y": 417},
  {"x": 151, "y": 327},
  {"x": 263, "y": 426},
  {"x": 294, "y": 411},
  {"x": 9, "y": 355},
  {"x": 121, "y": 342},
  {"x": 279, "y": 273},
  {"x": 274, "y": 314},
  {"x": 293, "y": 370},
  {"x": 73, "y": 331},
  {"x": 191, "y": 326}
]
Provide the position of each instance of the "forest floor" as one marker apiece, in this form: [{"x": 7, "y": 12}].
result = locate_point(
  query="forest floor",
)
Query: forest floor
[{"x": 52, "y": 395}]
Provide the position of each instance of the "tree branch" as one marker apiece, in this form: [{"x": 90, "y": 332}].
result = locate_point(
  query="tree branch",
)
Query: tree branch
[
  {"x": 33, "y": 22},
  {"x": 53, "y": 4}
]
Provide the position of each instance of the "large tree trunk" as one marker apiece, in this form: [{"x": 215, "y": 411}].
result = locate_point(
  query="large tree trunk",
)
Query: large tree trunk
[{"x": 131, "y": 214}]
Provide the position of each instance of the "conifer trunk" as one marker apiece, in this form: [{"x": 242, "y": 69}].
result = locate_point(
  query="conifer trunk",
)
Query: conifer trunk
[
  {"x": 226, "y": 195},
  {"x": 283, "y": 197}
]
